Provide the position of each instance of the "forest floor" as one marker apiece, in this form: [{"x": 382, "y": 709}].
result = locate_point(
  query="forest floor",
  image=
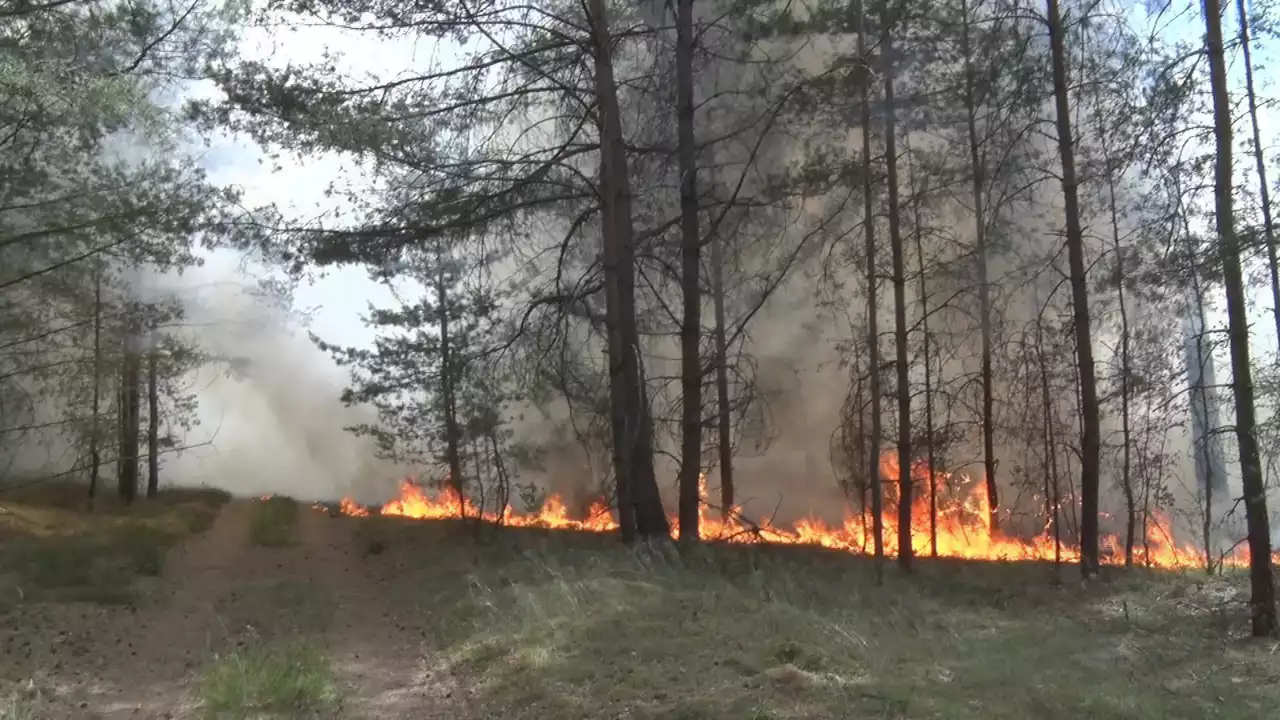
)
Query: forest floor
[{"x": 193, "y": 606}]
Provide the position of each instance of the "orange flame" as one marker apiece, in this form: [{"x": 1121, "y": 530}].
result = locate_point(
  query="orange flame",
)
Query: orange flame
[{"x": 963, "y": 524}]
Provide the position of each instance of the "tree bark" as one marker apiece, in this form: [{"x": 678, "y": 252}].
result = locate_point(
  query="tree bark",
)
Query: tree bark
[
  {"x": 153, "y": 420},
  {"x": 691, "y": 323},
  {"x": 906, "y": 555},
  {"x": 639, "y": 502},
  {"x": 873, "y": 332},
  {"x": 1090, "y": 444},
  {"x": 978, "y": 176},
  {"x": 1263, "y": 600}
]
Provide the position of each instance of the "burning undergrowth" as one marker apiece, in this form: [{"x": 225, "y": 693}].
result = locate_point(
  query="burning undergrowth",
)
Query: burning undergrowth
[{"x": 956, "y": 512}]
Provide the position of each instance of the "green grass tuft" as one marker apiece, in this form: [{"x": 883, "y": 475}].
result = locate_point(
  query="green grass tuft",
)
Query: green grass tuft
[
  {"x": 273, "y": 681},
  {"x": 274, "y": 522}
]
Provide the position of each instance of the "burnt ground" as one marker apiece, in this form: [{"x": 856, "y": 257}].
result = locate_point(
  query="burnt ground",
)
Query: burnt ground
[{"x": 219, "y": 593}]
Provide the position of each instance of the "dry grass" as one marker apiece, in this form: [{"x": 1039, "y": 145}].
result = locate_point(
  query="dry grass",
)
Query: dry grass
[
  {"x": 22, "y": 701},
  {"x": 549, "y": 625},
  {"x": 53, "y": 546}
]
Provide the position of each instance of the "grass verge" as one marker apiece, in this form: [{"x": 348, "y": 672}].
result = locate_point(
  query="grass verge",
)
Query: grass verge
[
  {"x": 274, "y": 522},
  {"x": 55, "y": 547},
  {"x": 21, "y": 702},
  {"x": 291, "y": 680},
  {"x": 553, "y": 625}
]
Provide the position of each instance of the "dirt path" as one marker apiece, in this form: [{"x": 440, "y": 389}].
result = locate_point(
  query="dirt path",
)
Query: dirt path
[
  {"x": 183, "y": 627},
  {"x": 376, "y": 641},
  {"x": 220, "y": 592}
]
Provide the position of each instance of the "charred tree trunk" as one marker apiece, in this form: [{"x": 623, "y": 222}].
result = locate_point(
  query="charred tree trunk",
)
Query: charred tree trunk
[
  {"x": 121, "y": 423},
  {"x": 690, "y": 261},
  {"x": 1263, "y": 600},
  {"x": 1264, "y": 191},
  {"x": 503, "y": 479},
  {"x": 1052, "y": 496},
  {"x": 918, "y": 198},
  {"x": 873, "y": 331},
  {"x": 1090, "y": 443},
  {"x": 130, "y": 416},
  {"x": 1126, "y": 366},
  {"x": 977, "y": 169},
  {"x": 1200, "y": 397},
  {"x": 95, "y": 430},
  {"x": 905, "y": 553},
  {"x": 153, "y": 419},
  {"x": 639, "y": 501},
  {"x": 448, "y": 381},
  {"x": 724, "y": 429}
]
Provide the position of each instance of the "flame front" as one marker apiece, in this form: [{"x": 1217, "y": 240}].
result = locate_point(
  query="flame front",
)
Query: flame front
[{"x": 963, "y": 524}]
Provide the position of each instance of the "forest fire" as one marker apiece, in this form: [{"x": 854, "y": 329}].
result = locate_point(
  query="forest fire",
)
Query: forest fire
[{"x": 963, "y": 525}]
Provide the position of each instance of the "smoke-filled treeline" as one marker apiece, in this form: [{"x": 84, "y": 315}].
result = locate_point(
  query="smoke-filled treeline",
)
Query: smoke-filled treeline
[
  {"x": 997, "y": 215},
  {"x": 627, "y": 242}
]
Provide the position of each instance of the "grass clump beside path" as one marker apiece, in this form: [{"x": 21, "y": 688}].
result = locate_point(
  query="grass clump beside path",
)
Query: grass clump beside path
[
  {"x": 22, "y": 701},
  {"x": 55, "y": 547},
  {"x": 291, "y": 680},
  {"x": 559, "y": 625},
  {"x": 274, "y": 522}
]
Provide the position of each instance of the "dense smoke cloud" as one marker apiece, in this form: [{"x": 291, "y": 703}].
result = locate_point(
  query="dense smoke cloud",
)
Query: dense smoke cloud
[{"x": 269, "y": 403}]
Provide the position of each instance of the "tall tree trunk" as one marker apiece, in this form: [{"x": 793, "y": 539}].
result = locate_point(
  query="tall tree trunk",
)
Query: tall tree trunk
[
  {"x": 724, "y": 429},
  {"x": 905, "y": 553},
  {"x": 1201, "y": 435},
  {"x": 1202, "y": 383},
  {"x": 873, "y": 331},
  {"x": 121, "y": 424},
  {"x": 130, "y": 416},
  {"x": 1263, "y": 598},
  {"x": 1126, "y": 364},
  {"x": 95, "y": 439},
  {"x": 1090, "y": 443},
  {"x": 639, "y": 501},
  {"x": 1076, "y": 501},
  {"x": 1264, "y": 191},
  {"x": 153, "y": 419},
  {"x": 1052, "y": 494},
  {"x": 448, "y": 380},
  {"x": 504, "y": 481},
  {"x": 978, "y": 172},
  {"x": 918, "y": 195},
  {"x": 690, "y": 260}
]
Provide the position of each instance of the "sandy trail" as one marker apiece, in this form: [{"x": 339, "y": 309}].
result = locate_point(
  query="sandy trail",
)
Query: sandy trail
[
  {"x": 220, "y": 592},
  {"x": 376, "y": 642}
]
